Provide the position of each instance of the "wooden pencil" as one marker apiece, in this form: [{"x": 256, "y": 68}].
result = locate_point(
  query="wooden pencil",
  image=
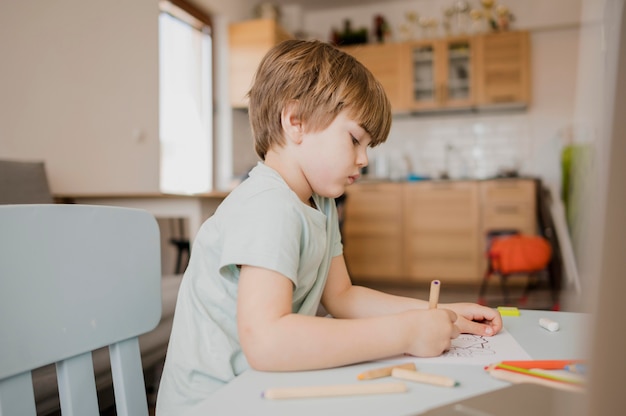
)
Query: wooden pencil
[
  {"x": 426, "y": 378},
  {"x": 384, "y": 371},
  {"x": 433, "y": 299}
]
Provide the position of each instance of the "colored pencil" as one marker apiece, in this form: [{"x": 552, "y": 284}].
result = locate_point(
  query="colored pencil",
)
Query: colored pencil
[
  {"x": 540, "y": 374},
  {"x": 577, "y": 368},
  {"x": 513, "y": 377},
  {"x": 384, "y": 371},
  {"x": 543, "y": 364},
  {"x": 433, "y": 299},
  {"x": 420, "y": 377}
]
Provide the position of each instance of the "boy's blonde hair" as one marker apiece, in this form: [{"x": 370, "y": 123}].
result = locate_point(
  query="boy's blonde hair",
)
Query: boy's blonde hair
[{"x": 322, "y": 81}]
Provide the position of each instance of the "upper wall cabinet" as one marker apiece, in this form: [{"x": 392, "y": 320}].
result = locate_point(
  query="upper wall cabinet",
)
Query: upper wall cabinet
[
  {"x": 503, "y": 68},
  {"x": 441, "y": 74},
  {"x": 249, "y": 41},
  {"x": 452, "y": 73},
  {"x": 388, "y": 64}
]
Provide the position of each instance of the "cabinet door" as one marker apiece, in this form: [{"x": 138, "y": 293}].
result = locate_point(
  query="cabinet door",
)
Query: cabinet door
[
  {"x": 424, "y": 79},
  {"x": 509, "y": 204},
  {"x": 442, "y": 73},
  {"x": 503, "y": 68},
  {"x": 441, "y": 231},
  {"x": 386, "y": 63},
  {"x": 249, "y": 41},
  {"x": 372, "y": 231},
  {"x": 458, "y": 72}
]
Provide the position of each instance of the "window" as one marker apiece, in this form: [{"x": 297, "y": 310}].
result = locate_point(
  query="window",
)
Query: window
[{"x": 185, "y": 99}]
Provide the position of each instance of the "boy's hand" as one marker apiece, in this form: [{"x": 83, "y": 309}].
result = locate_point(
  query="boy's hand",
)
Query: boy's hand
[
  {"x": 431, "y": 331},
  {"x": 476, "y": 319}
]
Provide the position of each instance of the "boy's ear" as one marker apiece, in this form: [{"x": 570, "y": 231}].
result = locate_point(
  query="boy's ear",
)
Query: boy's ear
[{"x": 291, "y": 122}]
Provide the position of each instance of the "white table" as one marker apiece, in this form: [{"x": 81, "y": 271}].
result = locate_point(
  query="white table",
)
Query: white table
[
  {"x": 194, "y": 208},
  {"x": 242, "y": 396}
]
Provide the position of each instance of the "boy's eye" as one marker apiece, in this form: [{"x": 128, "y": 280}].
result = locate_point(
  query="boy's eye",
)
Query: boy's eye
[{"x": 354, "y": 140}]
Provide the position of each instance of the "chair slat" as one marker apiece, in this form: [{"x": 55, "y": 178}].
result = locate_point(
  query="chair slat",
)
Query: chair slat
[
  {"x": 77, "y": 386},
  {"x": 128, "y": 382},
  {"x": 17, "y": 396}
]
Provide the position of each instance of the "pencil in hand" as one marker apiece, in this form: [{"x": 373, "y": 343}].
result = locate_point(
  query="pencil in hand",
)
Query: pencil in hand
[{"x": 433, "y": 300}]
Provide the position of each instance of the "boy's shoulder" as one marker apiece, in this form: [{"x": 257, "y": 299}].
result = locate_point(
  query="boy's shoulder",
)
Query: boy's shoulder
[
  {"x": 263, "y": 189},
  {"x": 261, "y": 180}
]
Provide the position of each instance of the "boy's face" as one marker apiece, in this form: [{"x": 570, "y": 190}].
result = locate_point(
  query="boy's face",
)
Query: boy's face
[{"x": 331, "y": 159}]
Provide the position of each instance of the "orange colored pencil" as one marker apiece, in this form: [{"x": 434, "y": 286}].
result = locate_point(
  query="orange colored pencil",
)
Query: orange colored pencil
[{"x": 543, "y": 364}]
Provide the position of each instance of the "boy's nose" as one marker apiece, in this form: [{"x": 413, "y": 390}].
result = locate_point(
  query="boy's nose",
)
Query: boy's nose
[{"x": 362, "y": 159}]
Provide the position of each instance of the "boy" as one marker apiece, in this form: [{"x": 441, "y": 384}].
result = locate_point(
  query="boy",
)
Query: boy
[{"x": 272, "y": 251}]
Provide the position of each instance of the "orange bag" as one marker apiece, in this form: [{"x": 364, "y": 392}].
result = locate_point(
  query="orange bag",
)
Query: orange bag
[{"x": 519, "y": 253}]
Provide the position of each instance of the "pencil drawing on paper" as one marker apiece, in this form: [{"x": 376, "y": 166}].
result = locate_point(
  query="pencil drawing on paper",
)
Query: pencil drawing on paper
[
  {"x": 476, "y": 349},
  {"x": 468, "y": 345}
]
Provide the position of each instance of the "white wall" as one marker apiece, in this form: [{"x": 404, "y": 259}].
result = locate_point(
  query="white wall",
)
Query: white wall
[{"x": 79, "y": 84}]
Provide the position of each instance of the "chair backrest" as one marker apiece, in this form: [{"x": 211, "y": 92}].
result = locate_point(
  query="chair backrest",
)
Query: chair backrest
[
  {"x": 75, "y": 278},
  {"x": 23, "y": 182}
]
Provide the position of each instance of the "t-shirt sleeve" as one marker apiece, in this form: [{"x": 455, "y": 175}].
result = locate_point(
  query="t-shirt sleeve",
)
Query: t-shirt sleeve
[{"x": 264, "y": 231}]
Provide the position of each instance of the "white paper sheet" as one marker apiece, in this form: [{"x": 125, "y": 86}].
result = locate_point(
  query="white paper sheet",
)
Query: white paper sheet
[{"x": 474, "y": 349}]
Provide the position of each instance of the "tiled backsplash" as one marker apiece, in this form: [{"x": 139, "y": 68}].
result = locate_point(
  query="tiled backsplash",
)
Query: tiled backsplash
[{"x": 463, "y": 146}]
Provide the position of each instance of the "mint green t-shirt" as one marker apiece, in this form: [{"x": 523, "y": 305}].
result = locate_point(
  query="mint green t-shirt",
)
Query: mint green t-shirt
[{"x": 261, "y": 223}]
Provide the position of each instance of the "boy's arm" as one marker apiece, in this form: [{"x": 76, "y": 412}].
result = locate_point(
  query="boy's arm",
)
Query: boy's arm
[
  {"x": 343, "y": 300},
  {"x": 275, "y": 339}
]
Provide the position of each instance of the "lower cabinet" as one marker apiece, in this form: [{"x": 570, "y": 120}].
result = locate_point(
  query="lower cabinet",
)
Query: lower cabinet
[
  {"x": 419, "y": 231},
  {"x": 441, "y": 234},
  {"x": 372, "y": 231}
]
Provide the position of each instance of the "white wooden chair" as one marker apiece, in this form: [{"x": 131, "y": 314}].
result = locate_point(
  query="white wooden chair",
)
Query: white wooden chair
[{"x": 75, "y": 278}]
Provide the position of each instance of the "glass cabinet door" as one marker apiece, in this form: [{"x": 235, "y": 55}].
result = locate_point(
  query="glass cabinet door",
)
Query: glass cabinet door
[
  {"x": 458, "y": 73},
  {"x": 424, "y": 92},
  {"x": 441, "y": 74}
]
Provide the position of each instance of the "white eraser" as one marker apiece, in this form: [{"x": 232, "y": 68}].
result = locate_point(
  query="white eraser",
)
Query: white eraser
[{"x": 549, "y": 324}]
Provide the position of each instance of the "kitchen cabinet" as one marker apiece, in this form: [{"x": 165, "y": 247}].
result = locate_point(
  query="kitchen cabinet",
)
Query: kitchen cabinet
[
  {"x": 441, "y": 73},
  {"x": 509, "y": 204},
  {"x": 463, "y": 72},
  {"x": 249, "y": 41},
  {"x": 372, "y": 231},
  {"x": 405, "y": 232},
  {"x": 387, "y": 63},
  {"x": 442, "y": 231},
  {"x": 503, "y": 69},
  {"x": 424, "y": 75}
]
